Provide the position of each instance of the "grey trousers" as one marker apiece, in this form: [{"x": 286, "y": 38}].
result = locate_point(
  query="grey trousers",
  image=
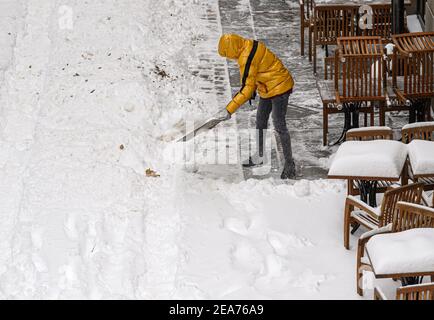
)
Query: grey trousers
[{"x": 276, "y": 106}]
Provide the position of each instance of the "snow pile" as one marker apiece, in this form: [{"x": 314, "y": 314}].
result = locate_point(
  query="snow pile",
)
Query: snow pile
[
  {"x": 410, "y": 251},
  {"x": 378, "y": 158},
  {"x": 84, "y": 110},
  {"x": 264, "y": 239},
  {"x": 421, "y": 154}
]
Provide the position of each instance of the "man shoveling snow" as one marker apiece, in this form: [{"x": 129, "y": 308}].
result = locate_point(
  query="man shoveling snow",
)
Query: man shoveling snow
[{"x": 261, "y": 70}]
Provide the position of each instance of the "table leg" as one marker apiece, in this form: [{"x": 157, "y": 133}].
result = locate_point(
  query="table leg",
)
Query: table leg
[
  {"x": 351, "y": 112},
  {"x": 408, "y": 281},
  {"x": 418, "y": 110},
  {"x": 368, "y": 192}
]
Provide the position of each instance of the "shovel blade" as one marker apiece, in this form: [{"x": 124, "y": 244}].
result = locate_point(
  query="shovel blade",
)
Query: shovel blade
[{"x": 210, "y": 124}]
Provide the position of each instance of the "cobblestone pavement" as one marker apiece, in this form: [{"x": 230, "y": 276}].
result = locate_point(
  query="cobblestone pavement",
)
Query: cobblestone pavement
[{"x": 276, "y": 23}]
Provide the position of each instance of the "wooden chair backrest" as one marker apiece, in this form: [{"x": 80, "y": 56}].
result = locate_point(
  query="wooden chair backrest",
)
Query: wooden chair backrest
[
  {"x": 410, "y": 216},
  {"x": 411, "y": 193},
  {"x": 306, "y": 7},
  {"x": 423, "y": 131},
  {"x": 381, "y": 21},
  {"x": 416, "y": 292},
  {"x": 379, "y": 133},
  {"x": 332, "y": 22},
  {"x": 414, "y": 53},
  {"x": 360, "y": 61},
  {"x": 329, "y": 68}
]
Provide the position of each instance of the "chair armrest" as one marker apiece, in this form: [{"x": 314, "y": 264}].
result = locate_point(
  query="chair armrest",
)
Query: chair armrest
[
  {"x": 426, "y": 200},
  {"x": 386, "y": 229},
  {"x": 353, "y": 201},
  {"x": 379, "y": 294}
]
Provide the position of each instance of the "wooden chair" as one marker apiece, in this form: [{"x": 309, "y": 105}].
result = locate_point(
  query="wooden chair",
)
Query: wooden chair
[
  {"x": 361, "y": 62},
  {"x": 412, "y": 292},
  {"x": 328, "y": 97},
  {"x": 381, "y": 22},
  {"x": 406, "y": 216},
  {"x": 329, "y": 22},
  {"x": 359, "y": 76},
  {"x": 374, "y": 218},
  {"x": 413, "y": 73},
  {"x": 419, "y": 131},
  {"x": 369, "y": 133},
  {"x": 306, "y": 10}
]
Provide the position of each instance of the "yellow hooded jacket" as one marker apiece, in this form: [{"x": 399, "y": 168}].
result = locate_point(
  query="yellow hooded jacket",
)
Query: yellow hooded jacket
[{"x": 267, "y": 74}]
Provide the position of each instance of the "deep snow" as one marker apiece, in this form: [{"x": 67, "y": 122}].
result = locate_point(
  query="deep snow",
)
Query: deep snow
[{"x": 85, "y": 111}]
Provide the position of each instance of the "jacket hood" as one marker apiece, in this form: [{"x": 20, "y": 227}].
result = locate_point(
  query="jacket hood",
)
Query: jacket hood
[{"x": 231, "y": 46}]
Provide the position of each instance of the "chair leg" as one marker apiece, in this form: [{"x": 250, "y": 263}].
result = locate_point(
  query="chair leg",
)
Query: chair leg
[
  {"x": 365, "y": 123},
  {"x": 359, "y": 281},
  {"x": 359, "y": 271},
  {"x": 314, "y": 58},
  {"x": 404, "y": 175},
  {"x": 382, "y": 113},
  {"x": 347, "y": 224},
  {"x": 302, "y": 37},
  {"x": 372, "y": 116},
  {"x": 309, "y": 30},
  {"x": 325, "y": 125}
]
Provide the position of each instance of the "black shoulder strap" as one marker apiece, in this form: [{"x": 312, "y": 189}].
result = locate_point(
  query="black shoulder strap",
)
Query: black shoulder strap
[
  {"x": 247, "y": 68},
  {"x": 249, "y": 63}
]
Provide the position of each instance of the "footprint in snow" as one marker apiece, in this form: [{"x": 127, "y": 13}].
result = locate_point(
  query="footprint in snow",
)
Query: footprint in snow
[
  {"x": 281, "y": 243},
  {"x": 39, "y": 263},
  {"x": 70, "y": 227},
  {"x": 237, "y": 225},
  {"x": 36, "y": 236},
  {"x": 302, "y": 188},
  {"x": 308, "y": 280},
  {"x": 247, "y": 257}
]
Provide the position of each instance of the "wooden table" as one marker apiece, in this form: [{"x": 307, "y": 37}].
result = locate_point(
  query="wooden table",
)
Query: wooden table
[{"x": 365, "y": 163}]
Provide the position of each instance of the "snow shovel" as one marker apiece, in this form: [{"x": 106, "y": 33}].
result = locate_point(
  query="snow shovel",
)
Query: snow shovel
[{"x": 208, "y": 125}]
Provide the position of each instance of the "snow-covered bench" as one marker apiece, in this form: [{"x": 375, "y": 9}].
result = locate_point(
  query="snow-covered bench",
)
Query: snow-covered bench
[{"x": 401, "y": 250}]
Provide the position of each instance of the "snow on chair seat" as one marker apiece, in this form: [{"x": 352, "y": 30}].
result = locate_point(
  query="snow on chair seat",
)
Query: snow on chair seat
[
  {"x": 367, "y": 220},
  {"x": 407, "y": 216},
  {"x": 361, "y": 159},
  {"x": 410, "y": 251}
]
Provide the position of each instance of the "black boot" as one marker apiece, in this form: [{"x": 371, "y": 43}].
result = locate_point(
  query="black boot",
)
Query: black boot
[
  {"x": 258, "y": 158},
  {"x": 253, "y": 161},
  {"x": 289, "y": 170}
]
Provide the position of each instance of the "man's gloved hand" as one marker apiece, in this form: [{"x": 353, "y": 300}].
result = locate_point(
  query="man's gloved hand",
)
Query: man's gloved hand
[{"x": 223, "y": 115}]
